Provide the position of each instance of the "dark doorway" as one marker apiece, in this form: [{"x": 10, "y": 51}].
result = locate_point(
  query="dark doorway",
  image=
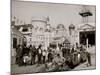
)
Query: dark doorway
[
  {"x": 14, "y": 42},
  {"x": 87, "y": 34}
]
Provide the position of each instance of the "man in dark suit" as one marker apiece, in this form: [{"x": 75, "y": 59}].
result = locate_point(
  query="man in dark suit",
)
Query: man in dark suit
[
  {"x": 33, "y": 54},
  {"x": 19, "y": 55},
  {"x": 39, "y": 54}
]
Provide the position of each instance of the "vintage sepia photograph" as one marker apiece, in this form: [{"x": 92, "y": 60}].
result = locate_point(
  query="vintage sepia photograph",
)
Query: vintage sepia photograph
[{"x": 52, "y": 37}]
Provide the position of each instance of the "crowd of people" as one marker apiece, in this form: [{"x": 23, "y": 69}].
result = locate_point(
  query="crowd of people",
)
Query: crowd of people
[
  {"x": 27, "y": 55},
  {"x": 39, "y": 55}
]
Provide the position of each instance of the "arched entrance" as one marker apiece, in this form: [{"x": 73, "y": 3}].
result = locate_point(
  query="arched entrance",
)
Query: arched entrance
[
  {"x": 90, "y": 35},
  {"x": 87, "y": 31}
]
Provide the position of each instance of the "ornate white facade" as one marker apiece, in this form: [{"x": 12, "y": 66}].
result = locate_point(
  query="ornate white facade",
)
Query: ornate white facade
[{"x": 41, "y": 33}]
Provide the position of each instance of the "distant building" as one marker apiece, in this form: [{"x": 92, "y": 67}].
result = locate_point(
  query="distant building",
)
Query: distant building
[
  {"x": 87, "y": 30},
  {"x": 61, "y": 30},
  {"x": 38, "y": 31},
  {"x": 60, "y": 34},
  {"x": 17, "y": 38},
  {"x": 42, "y": 32},
  {"x": 26, "y": 30}
]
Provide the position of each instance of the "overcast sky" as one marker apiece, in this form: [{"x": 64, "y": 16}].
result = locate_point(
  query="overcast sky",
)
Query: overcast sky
[{"x": 58, "y": 13}]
